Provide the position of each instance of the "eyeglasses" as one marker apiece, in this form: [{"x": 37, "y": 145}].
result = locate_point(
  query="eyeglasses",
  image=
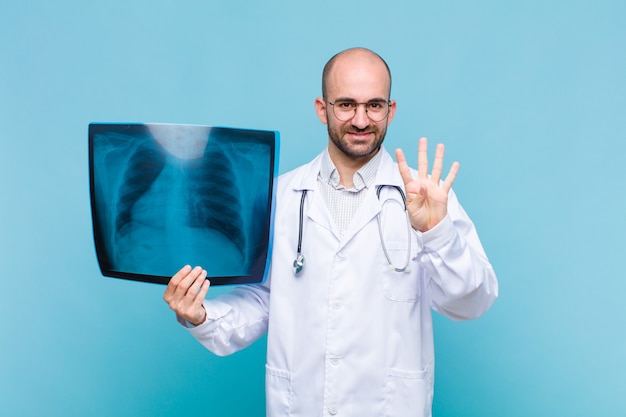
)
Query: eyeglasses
[{"x": 376, "y": 110}]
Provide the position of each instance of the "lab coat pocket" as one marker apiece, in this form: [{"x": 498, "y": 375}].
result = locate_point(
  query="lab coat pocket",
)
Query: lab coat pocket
[
  {"x": 401, "y": 286},
  {"x": 408, "y": 393},
  {"x": 278, "y": 387}
]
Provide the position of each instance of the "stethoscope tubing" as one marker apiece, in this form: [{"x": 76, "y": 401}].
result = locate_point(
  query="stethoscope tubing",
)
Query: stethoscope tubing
[
  {"x": 405, "y": 268},
  {"x": 298, "y": 263}
]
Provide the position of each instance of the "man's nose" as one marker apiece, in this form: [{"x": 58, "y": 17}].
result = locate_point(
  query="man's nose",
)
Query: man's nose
[{"x": 360, "y": 119}]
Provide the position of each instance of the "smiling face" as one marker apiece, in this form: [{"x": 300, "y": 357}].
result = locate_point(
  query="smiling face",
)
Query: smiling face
[{"x": 359, "y": 76}]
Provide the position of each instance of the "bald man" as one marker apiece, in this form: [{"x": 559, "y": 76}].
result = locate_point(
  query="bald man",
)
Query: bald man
[{"x": 364, "y": 249}]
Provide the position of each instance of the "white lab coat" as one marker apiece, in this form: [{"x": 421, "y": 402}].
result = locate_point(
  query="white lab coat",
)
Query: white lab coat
[{"x": 349, "y": 336}]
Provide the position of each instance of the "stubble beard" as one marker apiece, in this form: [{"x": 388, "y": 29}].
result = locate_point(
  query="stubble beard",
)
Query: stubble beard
[{"x": 337, "y": 138}]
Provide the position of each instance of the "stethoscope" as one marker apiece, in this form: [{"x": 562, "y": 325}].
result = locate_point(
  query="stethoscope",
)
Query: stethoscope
[{"x": 298, "y": 263}]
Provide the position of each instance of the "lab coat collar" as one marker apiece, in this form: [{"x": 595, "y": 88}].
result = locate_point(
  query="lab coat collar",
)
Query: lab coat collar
[
  {"x": 308, "y": 175},
  {"x": 387, "y": 173},
  {"x": 317, "y": 211}
]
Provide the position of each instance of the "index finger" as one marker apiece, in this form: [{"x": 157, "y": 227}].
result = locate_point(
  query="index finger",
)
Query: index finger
[{"x": 403, "y": 167}]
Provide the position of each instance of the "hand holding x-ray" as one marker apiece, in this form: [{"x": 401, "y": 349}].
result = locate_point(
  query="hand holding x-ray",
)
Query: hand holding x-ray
[{"x": 185, "y": 293}]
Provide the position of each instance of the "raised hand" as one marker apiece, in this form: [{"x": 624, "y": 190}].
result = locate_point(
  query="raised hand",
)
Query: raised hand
[
  {"x": 185, "y": 294},
  {"x": 427, "y": 197}
]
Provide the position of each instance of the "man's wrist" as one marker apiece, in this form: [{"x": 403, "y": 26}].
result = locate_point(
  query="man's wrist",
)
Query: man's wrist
[
  {"x": 190, "y": 324},
  {"x": 203, "y": 318}
]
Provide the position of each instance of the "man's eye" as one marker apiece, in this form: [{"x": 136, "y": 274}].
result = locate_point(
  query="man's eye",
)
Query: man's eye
[
  {"x": 345, "y": 105},
  {"x": 375, "y": 105}
]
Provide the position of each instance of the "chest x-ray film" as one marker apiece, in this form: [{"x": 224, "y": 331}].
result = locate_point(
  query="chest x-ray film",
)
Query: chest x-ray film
[{"x": 165, "y": 195}]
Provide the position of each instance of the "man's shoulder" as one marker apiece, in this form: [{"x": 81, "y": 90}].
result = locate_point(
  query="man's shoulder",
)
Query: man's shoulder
[{"x": 302, "y": 171}]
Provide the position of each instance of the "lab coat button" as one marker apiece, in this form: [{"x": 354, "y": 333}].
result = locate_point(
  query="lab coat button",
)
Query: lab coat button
[
  {"x": 337, "y": 306},
  {"x": 333, "y": 409},
  {"x": 334, "y": 361}
]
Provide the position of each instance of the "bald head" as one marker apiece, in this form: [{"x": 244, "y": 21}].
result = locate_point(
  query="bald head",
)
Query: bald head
[{"x": 352, "y": 56}]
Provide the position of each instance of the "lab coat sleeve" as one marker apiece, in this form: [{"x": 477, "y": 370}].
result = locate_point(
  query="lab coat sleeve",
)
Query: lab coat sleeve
[
  {"x": 461, "y": 282},
  {"x": 234, "y": 320}
]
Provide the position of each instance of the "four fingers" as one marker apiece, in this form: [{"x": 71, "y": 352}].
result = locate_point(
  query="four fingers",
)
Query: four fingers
[
  {"x": 180, "y": 282},
  {"x": 422, "y": 165},
  {"x": 186, "y": 290}
]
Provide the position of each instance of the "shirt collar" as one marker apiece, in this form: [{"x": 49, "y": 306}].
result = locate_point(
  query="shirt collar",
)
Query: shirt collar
[{"x": 363, "y": 178}]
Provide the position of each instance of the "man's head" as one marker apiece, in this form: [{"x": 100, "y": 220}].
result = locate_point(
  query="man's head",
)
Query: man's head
[
  {"x": 356, "y": 105},
  {"x": 331, "y": 62}
]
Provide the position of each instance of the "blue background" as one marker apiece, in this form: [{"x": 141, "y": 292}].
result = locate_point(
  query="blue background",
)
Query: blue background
[{"x": 529, "y": 96}]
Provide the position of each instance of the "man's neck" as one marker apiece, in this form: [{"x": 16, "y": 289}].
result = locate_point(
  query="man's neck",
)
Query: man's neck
[{"x": 347, "y": 166}]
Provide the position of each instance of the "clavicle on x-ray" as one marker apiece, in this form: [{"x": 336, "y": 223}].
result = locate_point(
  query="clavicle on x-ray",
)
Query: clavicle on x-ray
[{"x": 166, "y": 195}]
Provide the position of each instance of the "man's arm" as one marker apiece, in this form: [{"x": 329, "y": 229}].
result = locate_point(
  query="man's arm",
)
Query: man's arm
[{"x": 461, "y": 282}]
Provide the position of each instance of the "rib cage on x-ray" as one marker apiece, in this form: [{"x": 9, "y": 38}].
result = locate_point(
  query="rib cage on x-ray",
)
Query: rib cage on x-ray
[
  {"x": 144, "y": 166},
  {"x": 214, "y": 198},
  {"x": 206, "y": 188},
  {"x": 210, "y": 191}
]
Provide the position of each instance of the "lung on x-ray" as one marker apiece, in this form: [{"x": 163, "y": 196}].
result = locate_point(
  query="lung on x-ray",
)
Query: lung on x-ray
[{"x": 166, "y": 195}]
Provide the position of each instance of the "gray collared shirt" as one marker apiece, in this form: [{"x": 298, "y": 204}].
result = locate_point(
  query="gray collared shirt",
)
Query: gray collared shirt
[{"x": 343, "y": 202}]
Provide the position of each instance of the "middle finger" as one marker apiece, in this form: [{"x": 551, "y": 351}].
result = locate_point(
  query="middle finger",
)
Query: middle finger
[{"x": 422, "y": 158}]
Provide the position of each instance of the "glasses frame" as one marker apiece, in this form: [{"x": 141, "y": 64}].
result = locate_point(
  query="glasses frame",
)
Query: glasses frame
[{"x": 357, "y": 104}]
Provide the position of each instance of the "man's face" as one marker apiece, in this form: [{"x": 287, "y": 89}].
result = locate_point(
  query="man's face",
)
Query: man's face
[{"x": 358, "y": 79}]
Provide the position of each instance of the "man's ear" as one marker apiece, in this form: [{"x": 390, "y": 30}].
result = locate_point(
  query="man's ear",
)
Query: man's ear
[
  {"x": 320, "y": 109},
  {"x": 392, "y": 111}
]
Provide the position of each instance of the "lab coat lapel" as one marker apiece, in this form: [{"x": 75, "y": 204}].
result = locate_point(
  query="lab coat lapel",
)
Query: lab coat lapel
[
  {"x": 318, "y": 212},
  {"x": 368, "y": 210},
  {"x": 314, "y": 206}
]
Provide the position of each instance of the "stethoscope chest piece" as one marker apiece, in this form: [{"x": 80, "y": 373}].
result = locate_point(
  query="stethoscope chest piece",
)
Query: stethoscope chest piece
[{"x": 298, "y": 264}]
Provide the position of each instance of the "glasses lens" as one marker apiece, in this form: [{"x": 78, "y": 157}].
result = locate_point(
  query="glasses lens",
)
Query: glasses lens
[
  {"x": 344, "y": 110},
  {"x": 377, "y": 110}
]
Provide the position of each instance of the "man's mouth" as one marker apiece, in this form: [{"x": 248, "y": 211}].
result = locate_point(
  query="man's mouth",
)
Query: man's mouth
[{"x": 359, "y": 134}]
